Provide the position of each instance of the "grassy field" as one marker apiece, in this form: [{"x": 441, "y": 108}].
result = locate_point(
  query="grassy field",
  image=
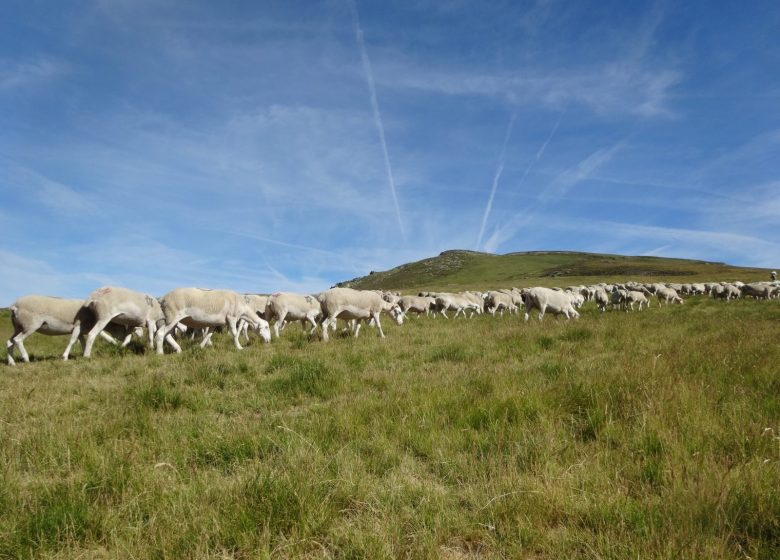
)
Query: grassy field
[
  {"x": 463, "y": 270},
  {"x": 623, "y": 435}
]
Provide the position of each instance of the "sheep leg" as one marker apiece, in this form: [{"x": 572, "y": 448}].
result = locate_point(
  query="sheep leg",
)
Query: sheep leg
[
  {"x": 15, "y": 340},
  {"x": 97, "y": 329},
  {"x": 313, "y": 322},
  {"x": 232, "y": 324},
  {"x": 206, "y": 339},
  {"x": 74, "y": 336},
  {"x": 164, "y": 333},
  {"x": 378, "y": 324},
  {"x": 9, "y": 349},
  {"x": 172, "y": 341},
  {"x": 279, "y": 322},
  {"x": 151, "y": 328},
  {"x": 19, "y": 342}
]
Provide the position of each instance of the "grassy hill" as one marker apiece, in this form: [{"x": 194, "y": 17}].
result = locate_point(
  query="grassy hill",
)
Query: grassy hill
[
  {"x": 650, "y": 434},
  {"x": 458, "y": 270}
]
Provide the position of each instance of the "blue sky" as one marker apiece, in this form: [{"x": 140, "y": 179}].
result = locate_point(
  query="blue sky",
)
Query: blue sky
[{"x": 263, "y": 146}]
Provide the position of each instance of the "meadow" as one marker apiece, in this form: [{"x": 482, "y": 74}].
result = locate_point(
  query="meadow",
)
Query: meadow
[{"x": 622, "y": 435}]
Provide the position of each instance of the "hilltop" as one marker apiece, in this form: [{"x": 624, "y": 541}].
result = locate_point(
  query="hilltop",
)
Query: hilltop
[{"x": 461, "y": 269}]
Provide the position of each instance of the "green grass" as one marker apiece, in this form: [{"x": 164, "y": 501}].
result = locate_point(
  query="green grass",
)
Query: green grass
[
  {"x": 621, "y": 435},
  {"x": 462, "y": 270}
]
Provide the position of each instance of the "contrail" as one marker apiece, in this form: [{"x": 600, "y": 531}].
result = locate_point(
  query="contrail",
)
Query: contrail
[
  {"x": 377, "y": 115},
  {"x": 552, "y": 133},
  {"x": 536, "y": 158},
  {"x": 496, "y": 178}
]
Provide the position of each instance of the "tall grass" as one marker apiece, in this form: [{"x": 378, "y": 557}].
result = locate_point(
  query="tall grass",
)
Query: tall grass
[{"x": 622, "y": 435}]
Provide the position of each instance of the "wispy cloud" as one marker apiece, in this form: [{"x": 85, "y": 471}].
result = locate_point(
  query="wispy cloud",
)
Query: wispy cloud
[
  {"x": 59, "y": 199},
  {"x": 613, "y": 88},
  {"x": 508, "y": 230},
  {"x": 15, "y": 75},
  {"x": 369, "y": 72},
  {"x": 496, "y": 179},
  {"x": 737, "y": 248},
  {"x": 564, "y": 182}
]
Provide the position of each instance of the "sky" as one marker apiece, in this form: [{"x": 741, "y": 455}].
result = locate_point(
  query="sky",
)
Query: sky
[{"x": 267, "y": 146}]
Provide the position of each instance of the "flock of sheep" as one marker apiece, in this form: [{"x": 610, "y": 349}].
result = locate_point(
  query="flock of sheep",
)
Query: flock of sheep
[{"x": 118, "y": 313}]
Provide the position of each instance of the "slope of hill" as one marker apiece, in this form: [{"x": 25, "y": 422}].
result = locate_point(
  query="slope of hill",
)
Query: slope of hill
[{"x": 470, "y": 269}]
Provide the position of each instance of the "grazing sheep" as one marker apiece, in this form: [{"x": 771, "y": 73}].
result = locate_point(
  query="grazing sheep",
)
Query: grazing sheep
[
  {"x": 601, "y": 298},
  {"x": 666, "y": 295}
]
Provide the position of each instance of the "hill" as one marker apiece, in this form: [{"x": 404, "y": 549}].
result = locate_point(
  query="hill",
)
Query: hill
[{"x": 460, "y": 269}]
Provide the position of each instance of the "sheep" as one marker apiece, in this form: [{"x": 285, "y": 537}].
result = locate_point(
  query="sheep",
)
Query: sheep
[
  {"x": 698, "y": 289},
  {"x": 456, "y": 302},
  {"x": 577, "y": 299},
  {"x": 258, "y": 303},
  {"x": 667, "y": 295},
  {"x": 47, "y": 315},
  {"x": 601, "y": 298},
  {"x": 545, "y": 299},
  {"x": 618, "y": 298},
  {"x": 758, "y": 290},
  {"x": 636, "y": 297},
  {"x": 348, "y": 304},
  {"x": 198, "y": 308},
  {"x": 112, "y": 304},
  {"x": 284, "y": 306},
  {"x": 498, "y": 301},
  {"x": 416, "y": 304},
  {"x": 477, "y": 298},
  {"x": 54, "y": 316},
  {"x": 725, "y": 291}
]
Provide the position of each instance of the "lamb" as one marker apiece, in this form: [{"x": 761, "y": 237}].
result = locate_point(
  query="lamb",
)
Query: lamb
[
  {"x": 348, "y": 304},
  {"x": 545, "y": 299},
  {"x": 199, "y": 308}
]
